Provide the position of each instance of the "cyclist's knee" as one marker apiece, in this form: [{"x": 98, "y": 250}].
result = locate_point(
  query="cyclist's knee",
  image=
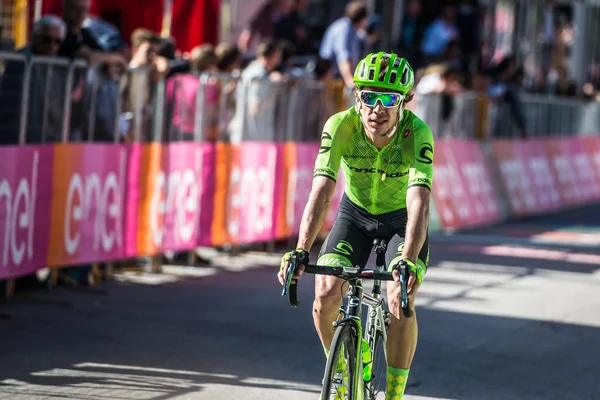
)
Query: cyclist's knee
[{"x": 328, "y": 292}]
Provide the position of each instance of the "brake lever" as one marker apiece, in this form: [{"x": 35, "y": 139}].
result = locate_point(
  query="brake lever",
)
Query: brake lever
[
  {"x": 290, "y": 288},
  {"x": 404, "y": 289}
]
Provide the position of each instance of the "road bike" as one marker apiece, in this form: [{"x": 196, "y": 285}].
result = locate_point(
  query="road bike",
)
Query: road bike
[{"x": 354, "y": 368}]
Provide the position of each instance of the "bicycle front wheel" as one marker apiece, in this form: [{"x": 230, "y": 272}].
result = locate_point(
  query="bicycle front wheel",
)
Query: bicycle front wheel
[{"x": 339, "y": 381}]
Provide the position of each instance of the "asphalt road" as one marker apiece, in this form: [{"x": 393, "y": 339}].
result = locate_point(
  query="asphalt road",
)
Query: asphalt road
[{"x": 509, "y": 312}]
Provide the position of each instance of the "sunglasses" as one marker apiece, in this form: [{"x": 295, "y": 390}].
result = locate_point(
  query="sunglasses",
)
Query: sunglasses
[
  {"x": 386, "y": 99},
  {"x": 51, "y": 40}
]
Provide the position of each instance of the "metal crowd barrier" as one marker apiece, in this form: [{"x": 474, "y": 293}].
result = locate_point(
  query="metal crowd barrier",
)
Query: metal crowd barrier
[
  {"x": 54, "y": 100},
  {"x": 474, "y": 115}
]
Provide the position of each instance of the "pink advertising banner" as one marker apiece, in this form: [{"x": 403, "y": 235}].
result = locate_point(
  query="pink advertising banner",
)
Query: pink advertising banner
[
  {"x": 254, "y": 190},
  {"x": 468, "y": 158},
  {"x": 450, "y": 195},
  {"x": 527, "y": 176},
  {"x": 573, "y": 165},
  {"x": 88, "y": 203},
  {"x": 300, "y": 178},
  {"x": 25, "y": 190},
  {"x": 592, "y": 144},
  {"x": 207, "y": 179},
  {"x": 177, "y": 192}
]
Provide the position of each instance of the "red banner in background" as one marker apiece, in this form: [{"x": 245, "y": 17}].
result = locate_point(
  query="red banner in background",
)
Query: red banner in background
[{"x": 527, "y": 176}]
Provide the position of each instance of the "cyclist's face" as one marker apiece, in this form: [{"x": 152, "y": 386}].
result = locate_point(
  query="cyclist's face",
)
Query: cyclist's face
[{"x": 377, "y": 120}]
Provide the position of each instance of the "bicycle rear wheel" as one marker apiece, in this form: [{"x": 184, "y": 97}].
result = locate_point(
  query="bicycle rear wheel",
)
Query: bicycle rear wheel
[{"x": 339, "y": 380}]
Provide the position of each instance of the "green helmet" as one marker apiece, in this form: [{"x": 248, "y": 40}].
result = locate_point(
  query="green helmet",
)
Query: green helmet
[{"x": 399, "y": 77}]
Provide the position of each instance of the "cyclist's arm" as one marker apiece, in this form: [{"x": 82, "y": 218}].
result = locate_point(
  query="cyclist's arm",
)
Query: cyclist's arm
[
  {"x": 323, "y": 187},
  {"x": 419, "y": 192},
  {"x": 417, "y": 206},
  {"x": 315, "y": 211}
]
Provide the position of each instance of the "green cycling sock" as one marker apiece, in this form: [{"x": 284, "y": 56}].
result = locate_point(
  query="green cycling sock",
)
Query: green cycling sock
[{"x": 396, "y": 382}]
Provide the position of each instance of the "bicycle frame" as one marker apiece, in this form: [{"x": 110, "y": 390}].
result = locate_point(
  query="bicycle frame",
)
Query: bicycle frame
[{"x": 375, "y": 321}]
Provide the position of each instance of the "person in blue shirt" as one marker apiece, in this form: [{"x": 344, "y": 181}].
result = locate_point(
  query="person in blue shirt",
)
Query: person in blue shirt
[{"x": 342, "y": 41}]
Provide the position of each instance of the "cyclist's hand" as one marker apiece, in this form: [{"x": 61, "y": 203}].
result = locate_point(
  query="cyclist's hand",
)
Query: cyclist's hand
[
  {"x": 412, "y": 276},
  {"x": 283, "y": 270}
]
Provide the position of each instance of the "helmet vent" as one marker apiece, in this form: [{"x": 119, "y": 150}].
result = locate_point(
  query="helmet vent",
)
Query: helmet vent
[
  {"x": 371, "y": 74},
  {"x": 404, "y": 80},
  {"x": 396, "y": 62},
  {"x": 361, "y": 72},
  {"x": 373, "y": 59},
  {"x": 393, "y": 77}
]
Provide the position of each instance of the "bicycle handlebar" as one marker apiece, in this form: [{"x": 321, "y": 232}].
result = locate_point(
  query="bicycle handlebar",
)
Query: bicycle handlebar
[{"x": 346, "y": 273}]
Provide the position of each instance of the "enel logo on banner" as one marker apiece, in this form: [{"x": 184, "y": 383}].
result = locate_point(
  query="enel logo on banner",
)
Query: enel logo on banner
[
  {"x": 25, "y": 188},
  {"x": 88, "y": 203}
]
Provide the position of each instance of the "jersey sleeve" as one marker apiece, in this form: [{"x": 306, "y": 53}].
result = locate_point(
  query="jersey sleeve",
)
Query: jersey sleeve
[
  {"x": 330, "y": 153},
  {"x": 421, "y": 170}
]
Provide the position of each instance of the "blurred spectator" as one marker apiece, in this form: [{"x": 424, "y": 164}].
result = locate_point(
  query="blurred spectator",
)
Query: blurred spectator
[
  {"x": 323, "y": 71},
  {"x": 467, "y": 21},
  {"x": 146, "y": 45},
  {"x": 106, "y": 35},
  {"x": 443, "y": 80},
  {"x": 229, "y": 58},
  {"x": 438, "y": 34},
  {"x": 291, "y": 28},
  {"x": 453, "y": 55},
  {"x": 181, "y": 110},
  {"x": 203, "y": 59},
  {"x": 565, "y": 86},
  {"x": 262, "y": 26},
  {"x": 269, "y": 55},
  {"x": 505, "y": 91},
  {"x": 548, "y": 36},
  {"x": 107, "y": 115},
  {"x": 370, "y": 41},
  {"x": 47, "y": 35},
  {"x": 168, "y": 48},
  {"x": 411, "y": 33},
  {"x": 440, "y": 78},
  {"x": 342, "y": 43},
  {"x": 140, "y": 83},
  {"x": 287, "y": 68},
  {"x": 79, "y": 41}
]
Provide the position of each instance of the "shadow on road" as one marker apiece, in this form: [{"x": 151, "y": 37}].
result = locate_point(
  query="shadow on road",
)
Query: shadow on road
[{"x": 491, "y": 327}]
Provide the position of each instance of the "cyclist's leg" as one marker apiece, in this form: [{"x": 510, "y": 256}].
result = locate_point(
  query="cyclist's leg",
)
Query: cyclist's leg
[
  {"x": 346, "y": 245},
  {"x": 403, "y": 332}
]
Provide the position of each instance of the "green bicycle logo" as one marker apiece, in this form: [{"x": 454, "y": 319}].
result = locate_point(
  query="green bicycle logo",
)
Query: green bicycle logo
[{"x": 344, "y": 247}]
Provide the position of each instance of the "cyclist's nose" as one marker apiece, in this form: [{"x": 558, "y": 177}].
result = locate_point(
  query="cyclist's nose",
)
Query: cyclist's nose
[{"x": 378, "y": 107}]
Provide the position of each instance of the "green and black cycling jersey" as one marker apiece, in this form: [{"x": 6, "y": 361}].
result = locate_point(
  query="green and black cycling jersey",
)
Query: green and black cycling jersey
[{"x": 376, "y": 180}]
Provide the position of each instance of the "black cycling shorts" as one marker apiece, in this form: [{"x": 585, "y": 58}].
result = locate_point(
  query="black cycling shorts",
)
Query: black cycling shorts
[{"x": 350, "y": 242}]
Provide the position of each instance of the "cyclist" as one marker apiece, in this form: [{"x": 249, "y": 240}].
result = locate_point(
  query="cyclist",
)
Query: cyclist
[{"x": 386, "y": 153}]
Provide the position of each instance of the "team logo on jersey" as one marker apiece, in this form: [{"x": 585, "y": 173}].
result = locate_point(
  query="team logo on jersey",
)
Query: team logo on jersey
[
  {"x": 424, "y": 157},
  {"x": 324, "y": 149}
]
